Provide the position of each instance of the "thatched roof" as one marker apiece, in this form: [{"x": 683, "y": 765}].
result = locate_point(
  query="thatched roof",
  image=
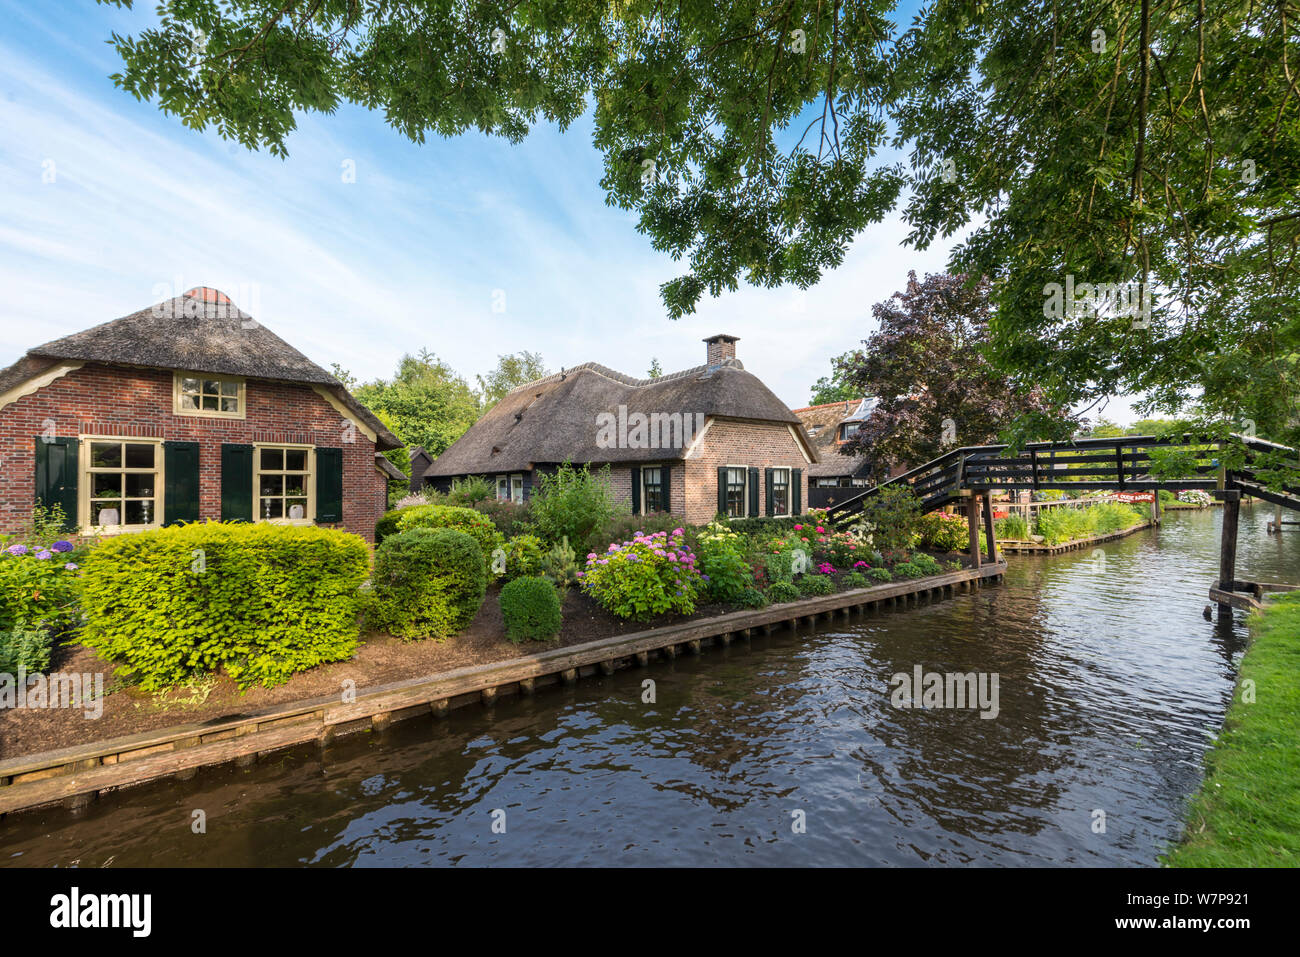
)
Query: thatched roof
[
  {"x": 556, "y": 419},
  {"x": 384, "y": 465},
  {"x": 203, "y": 331},
  {"x": 823, "y": 424},
  {"x": 27, "y": 367}
]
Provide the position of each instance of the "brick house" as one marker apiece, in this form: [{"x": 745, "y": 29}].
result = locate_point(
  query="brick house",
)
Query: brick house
[
  {"x": 184, "y": 411},
  {"x": 707, "y": 440},
  {"x": 837, "y": 476}
]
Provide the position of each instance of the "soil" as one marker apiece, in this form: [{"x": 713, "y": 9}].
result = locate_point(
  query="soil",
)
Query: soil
[{"x": 380, "y": 659}]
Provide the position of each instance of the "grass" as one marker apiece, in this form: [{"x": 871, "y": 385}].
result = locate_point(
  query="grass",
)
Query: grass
[{"x": 1247, "y": 811}]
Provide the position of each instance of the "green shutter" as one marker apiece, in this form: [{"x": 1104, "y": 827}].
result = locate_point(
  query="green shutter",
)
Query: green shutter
[
  {"x": 770, "y": 483},
  {"x": 722, "y": 490},
  {"x": 796, "y": 491},
  {"x": 180, "y": 482},
  {"x": 636, "y": 490},
  {"x": 665, "y": 493},
  {"x": 236, "y": 483},
  {"x": 753, "y": 493},
  {"x": 56, "y": 477},
  {"x": 329, "y": 485}
]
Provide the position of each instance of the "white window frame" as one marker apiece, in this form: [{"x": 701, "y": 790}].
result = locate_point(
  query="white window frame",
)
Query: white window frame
[
  {"x": 85, "y": 484},
  {"x": 789, "y": 491},
  {"x": 309, "y": 487},
  {"x": 512, "y": 484},
  {"x": 241, "y": 395},
  {"x": 744, "y": 495},
  {"x": 645, "y": 498}
]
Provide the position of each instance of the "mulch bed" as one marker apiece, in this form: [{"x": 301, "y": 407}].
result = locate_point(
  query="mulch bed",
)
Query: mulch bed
[{"x": 381, "y": 659}]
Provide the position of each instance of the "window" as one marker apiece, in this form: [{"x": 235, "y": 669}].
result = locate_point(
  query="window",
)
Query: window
[
  {"x": 282, "y": 479},
  {"x": 200, "y": 395},
  {"x": 780, "y": 491},
  {"x": 510, "y": 488},
  {"x": 123, "y": 487},
  {"x": 848, "y": 430},
  {"x": 652, "y": 490},
  {"x": 736, "y": 498}
]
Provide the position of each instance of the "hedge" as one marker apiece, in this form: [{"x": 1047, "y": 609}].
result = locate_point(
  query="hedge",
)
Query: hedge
[
  {"x": 428, "y": 583},
  {"x": 530, "y": 608},
  {"x": 261, "y": 601},
  {"x": 470, "y": 521}
]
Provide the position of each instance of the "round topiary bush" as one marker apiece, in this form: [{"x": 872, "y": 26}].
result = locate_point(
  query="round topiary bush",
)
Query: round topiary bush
[
  {"x": 782, "y": 592},
  {"x": 531, "y": 609},
  {"x": 473, "y": 523},
  {"x": 427, "y": 583}
]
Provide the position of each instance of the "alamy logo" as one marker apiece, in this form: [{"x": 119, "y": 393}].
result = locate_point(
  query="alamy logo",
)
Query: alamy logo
[
  {"x": 1126, "y": 299},
  {"x": 74, "y": 910},
  {"x": 656, "y": 430},
  {"x": 930, "y": 689},
  {"x": 56, "y": 690}
]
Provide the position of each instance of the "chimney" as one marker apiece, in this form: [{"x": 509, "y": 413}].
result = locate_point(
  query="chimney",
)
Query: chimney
[{"x": 721, "y": 348}]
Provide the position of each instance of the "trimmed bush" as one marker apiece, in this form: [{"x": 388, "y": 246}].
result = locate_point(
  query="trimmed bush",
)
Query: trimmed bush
[
  {"x": 782, "y": 592},
  {"x": 856, "y": 580},
  {"x": 387, "y": 524},
  {"x": 816, "y": 585},
  {"x": 470, "y": 521},
  {"x": 751, "y": 598},
  {"x": 879, "y": 574},
  {"x": 908, "y": 570},
  {"x": 261, "y": 601},
  {"x": 428, "y": 583},
  {"x": 927, "y": 564},
  {"x": 531, "y": 610}
]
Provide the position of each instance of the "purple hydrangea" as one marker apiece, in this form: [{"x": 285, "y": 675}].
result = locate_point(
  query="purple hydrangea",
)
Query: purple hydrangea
[
  {"x": 73, "y": 566},
  {"x": 43, "y": 554},
  {"x": 17, "y": 549},
  {"x": 62, "y": 546}
]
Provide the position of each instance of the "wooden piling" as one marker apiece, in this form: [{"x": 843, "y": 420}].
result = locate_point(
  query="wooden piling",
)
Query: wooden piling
[
  {"x": 992, "y": 542},
  {"x": 973, "y": 526},
  {"x": 1231, "y": 499}
]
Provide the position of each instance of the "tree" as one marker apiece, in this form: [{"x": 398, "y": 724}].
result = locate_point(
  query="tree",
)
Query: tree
[
  {"x": 935, "y": 388},
  {"x": 426, "y": 403},
  {"x": 833, "y": 388},
  {"x": 656, "y": 370},
  {"x": 512, "y": 371}
]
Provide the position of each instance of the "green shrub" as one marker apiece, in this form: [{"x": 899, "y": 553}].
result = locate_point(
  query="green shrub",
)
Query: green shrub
[
  {"x": 387, "y": 524},
  {"x": 521, "y": 556},
  {"x": 1012, "y": 527},
  {"x": 261, "y": 601},
  {"x": 647, "y": 575},
  {"x": 26, "y": 647},
  {"x": 531, "y": 610},
  {"x": 942, "y": 532},
  {"x": 470, "y": 521},
  {"x": 751, "y": 598},
  {"x": 573, "y": 504},
  {"x": 816, "y": 585},
  {"x": 891, "y": 516},
  {"x": 38, "y": 586},
  {"x": 472, "y": 490},
  {"x": 428, "y": 583},
  {"x": 560, "y": 566},
  {"x": 721, "y": 554},
  {"x": 880, "y": 574},
  {"x": 927, "y": 564},
  {"x": 907, "y": 570},
  {"x": 782, "y": 592},
  {"x": 510, "y": 518},
  {"x": 856, "y": 580}
]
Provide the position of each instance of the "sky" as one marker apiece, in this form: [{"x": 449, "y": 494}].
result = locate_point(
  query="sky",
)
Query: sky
[{"x": 361, "y": 245}]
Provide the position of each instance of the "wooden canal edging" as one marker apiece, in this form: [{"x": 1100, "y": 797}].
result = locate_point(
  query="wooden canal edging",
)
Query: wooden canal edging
[
  {"x": 1248, "y": 596},
  {"x": 1036, "y": 548},
  {"x": 75, "y": 775}
]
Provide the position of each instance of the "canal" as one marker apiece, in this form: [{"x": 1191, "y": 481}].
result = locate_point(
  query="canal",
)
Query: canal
[{"x": 784, "y": 750}]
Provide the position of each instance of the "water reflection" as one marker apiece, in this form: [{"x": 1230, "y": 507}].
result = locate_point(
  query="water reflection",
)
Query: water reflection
[{"x": 1110, "y": 683}]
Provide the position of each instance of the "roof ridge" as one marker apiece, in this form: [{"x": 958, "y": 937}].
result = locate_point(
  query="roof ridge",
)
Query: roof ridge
[{"x": 623, "y": 378}]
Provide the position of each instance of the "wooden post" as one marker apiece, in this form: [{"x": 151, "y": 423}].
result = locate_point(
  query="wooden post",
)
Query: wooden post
[
  {"x": 973, "y": 524},
  {"x": 1155, "y": 506},
  {"x": 992, "y": 543},
  {"x": 1228, "y": 545}
]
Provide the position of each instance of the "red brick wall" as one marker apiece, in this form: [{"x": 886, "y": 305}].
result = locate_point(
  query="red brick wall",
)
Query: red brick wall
[
  {"x": 752, "y": 444},
  {"x": 104, "y": 400}
]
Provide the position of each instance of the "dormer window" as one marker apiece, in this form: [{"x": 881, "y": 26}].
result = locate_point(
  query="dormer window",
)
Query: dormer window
[
  {"x": 222, "y": 397},
  {"x": 848, "y": 430}
]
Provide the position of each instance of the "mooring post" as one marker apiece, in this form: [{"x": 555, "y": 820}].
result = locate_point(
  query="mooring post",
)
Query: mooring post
[
  {"x": 973, "y": 524},
  {"x": 1155, "y": 506},
  {"x": 988, "y": 528},
  {"x": 1231, "y": 499}
]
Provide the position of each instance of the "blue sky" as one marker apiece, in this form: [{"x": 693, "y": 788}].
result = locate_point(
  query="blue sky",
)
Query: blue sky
[{"x": 109, "y": 206}]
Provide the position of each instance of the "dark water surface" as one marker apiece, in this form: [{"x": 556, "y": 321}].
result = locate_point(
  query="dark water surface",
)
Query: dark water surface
[{"x": 1110, "y": 685}]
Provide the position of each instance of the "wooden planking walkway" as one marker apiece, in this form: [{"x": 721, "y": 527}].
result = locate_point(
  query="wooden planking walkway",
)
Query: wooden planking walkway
[{"x": 75, "y": 775}]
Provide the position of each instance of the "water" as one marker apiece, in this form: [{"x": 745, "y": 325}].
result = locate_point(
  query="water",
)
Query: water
[{"x": 1110, "y": 685}]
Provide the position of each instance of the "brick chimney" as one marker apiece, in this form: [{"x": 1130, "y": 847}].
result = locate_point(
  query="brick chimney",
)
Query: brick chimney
[{"x": 721, "y": 347}]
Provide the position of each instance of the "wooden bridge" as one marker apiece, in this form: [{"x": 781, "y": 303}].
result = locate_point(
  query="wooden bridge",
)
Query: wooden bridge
[{"x": 1121, "y": 463}]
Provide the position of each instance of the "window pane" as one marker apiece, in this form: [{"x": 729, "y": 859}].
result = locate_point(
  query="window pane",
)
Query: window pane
[
  {"x": 189, "y": 385},
  {"x": 272, "y": 508},
  {"x": 273, "y": 459},
  {"x": 295, "y": 485},
  {"x": 188, "y": 402},
  {"x": 106, "y": 455},
  {"x": 229, "y": 405},
  {"x": 139, "y": 485},
  {"x": 295, "y": 460},
  {"x": 106, "y": 485},
  {"x": 210, "y": 403},
  {"x": 113, "y": 508},
  {"x": 297, "y": 507},
  {"x": 271, "y": 485},
  {"x": 211, "y": 387},
  {"x": 139, "y": 456},
  {"x": 229, "y": 388},
  {"x": 139, "y": 513}
]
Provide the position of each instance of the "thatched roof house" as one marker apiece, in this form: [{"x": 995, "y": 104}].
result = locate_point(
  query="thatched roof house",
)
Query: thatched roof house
[
  {"x": 696, "y": 442},
  {"x": 829, "y": 426}
]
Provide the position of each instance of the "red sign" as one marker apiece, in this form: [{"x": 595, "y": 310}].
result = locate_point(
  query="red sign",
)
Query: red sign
[{"x": 1135, "y": 496}]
